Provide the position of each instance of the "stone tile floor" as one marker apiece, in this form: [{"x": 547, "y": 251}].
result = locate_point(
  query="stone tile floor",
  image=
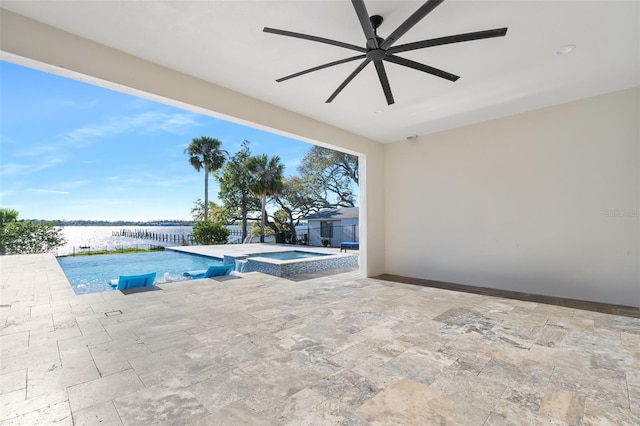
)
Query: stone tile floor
[{"x": 320, "y": 349}]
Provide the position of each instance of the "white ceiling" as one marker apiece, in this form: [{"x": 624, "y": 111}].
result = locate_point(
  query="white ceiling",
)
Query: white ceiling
[{"x": 223, "y": 42}]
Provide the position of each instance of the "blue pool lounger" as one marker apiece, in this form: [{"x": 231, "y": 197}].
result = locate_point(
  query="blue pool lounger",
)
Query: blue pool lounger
[
  {"x": 213, "y": 271},
  {"x": 349, "y": 245},
  {"x": 131, "y": 281}
]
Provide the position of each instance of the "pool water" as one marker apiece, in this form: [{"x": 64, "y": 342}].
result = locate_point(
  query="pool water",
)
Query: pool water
[
  {"x": 289, "y": 255},
  {"x": 91, "y": 274}
]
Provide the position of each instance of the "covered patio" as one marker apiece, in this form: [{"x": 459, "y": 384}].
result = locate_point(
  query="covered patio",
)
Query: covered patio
[
  {"x": 523, "y": 177},
  {"x": 324, "y": 349}
]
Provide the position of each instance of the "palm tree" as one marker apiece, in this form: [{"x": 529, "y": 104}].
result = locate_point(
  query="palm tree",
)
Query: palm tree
[
  {"x": 205, "y": 153},
  {"x": 8, "y": 215},
  {"x": 268, "y": 181}
]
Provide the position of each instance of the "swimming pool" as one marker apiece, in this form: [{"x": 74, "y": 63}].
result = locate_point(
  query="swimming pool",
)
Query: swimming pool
[
  {"x": 90, "y": 274},
  {"x": 289, "y": 255}
]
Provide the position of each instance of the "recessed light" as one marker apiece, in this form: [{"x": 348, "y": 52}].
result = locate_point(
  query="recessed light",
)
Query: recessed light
[
  {"x": 412, "y": 137},
  {"x": 378, "y": 111},
  {"x": 564, "y": 50}
]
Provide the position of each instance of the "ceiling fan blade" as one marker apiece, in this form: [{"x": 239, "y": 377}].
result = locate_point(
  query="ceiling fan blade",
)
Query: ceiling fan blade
[
  {"x": 458, "y": 38},
  {"x": 348, "y": 80},
  {"x": 319, "y": 67},
  {"x": 363, "y": 16},
  {"x": 421, "y": 67},
  {"x": 384, "y": 81},
  {"x": 417, "y": 16},
  {"x": 314, "y": 38}
]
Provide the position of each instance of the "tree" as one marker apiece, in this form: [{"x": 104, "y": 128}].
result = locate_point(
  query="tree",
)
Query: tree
[
  {"x": 296, "y": 200},
  {"x": 205, "y": 153},
  {"x": 268, "y": 180},
  {"x": 206, "y": 232},
  {"x": 257, "y": 231},
  {"x": 235, "y": 186},
  {"x": 217, "y": 213},
  {"x": 26, "y": 237},
  {"x": 334, "y": 175}
]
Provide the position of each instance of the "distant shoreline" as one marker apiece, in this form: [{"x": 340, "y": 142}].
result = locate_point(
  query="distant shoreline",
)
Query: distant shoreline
[{"x": 117, "y": 222}]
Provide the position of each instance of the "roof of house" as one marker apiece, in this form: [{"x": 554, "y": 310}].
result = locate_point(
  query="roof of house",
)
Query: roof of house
[{"x": 335, "y": 214}]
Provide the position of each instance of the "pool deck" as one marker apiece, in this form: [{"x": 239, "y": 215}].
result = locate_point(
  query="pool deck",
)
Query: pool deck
[
  {"x": 325, "y": 348},
  {"x": 242, "y": 249}
]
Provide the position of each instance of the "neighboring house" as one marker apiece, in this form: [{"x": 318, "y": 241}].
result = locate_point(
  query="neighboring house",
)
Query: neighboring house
[{"x": 335, "y": 225}]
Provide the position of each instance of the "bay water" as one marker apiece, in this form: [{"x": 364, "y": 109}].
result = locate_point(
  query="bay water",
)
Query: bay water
[{"x": 83, "y": 238}]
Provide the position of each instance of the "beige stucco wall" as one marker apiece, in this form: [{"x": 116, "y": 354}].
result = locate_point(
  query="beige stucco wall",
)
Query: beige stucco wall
[
  {"x": 544, "y": 202},
  {"x": 34, "y": 44}
]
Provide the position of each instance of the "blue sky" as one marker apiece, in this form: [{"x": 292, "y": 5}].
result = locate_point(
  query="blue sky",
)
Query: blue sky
[{"x": 70, "y": 150}]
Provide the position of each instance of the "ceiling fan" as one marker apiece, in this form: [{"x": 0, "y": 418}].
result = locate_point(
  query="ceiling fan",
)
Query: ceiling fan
[{"x": 378, "y": 49}]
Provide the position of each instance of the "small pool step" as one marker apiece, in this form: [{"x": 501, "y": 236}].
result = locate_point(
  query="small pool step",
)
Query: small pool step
[{"x": 242, "y": 266}]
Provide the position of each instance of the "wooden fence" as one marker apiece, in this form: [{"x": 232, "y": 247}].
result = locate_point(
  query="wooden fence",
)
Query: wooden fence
[
  {"x": 185, "y": 239},
  {"x": 143, "y": 234}
]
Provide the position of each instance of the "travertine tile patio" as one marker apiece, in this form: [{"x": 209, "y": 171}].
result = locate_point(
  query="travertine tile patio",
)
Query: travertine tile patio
[{"x": 322, "y": 349}]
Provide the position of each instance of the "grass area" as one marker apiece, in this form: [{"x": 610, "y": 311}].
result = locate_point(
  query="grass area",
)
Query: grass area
[{"x": 115, "y": 251}]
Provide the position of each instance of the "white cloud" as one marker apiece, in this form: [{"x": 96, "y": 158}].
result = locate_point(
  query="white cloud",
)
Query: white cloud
[
  {"x": 103, "y": 202},
  {"x": 51, "y": 152},
  {"x": 147, "y": 122},
  {"x": 50, "y": 191},
  {"x": 74, "y": 184},
  {"x": 174, "y": 123},
  {"x": 6, "y": 193},
  {"x": 7, "y": 140},
  {"x": 153, "y": 179},
  {"x": 14, "y": 169},
  {"x": 124, "y": 180},
  {"x": 84, "y": 133}
]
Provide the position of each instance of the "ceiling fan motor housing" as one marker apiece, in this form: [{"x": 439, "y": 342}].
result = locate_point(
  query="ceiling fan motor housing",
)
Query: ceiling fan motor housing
[{"x": 376, "y": 21}]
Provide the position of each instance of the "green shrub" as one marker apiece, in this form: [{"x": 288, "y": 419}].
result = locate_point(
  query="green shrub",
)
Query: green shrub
[
  {"x": 26, "y": 237},
  {"x": 207, "y": 232}
]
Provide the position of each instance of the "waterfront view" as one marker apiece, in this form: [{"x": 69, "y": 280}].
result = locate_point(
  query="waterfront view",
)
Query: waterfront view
[
  {"x": 83, "y": 238},
  {"x": 101, "y": 167},
  {"x": 94, "y": 238}
]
